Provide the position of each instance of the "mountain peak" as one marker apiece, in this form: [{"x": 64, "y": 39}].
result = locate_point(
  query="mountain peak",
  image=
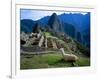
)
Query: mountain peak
[
  {"x": 54, "y": 22},
  {"x": 54, "y": 14}
]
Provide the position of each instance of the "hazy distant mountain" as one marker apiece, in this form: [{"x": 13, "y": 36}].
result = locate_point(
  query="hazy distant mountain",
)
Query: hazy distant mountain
[
  {"x": 80, "y": 21},
  {"x": 44, "y": 20},
  {"x": 27, "y": 25}
]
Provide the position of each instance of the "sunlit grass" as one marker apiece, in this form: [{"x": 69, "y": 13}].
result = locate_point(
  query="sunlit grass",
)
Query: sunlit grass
[{"x": 54, "y": 60}]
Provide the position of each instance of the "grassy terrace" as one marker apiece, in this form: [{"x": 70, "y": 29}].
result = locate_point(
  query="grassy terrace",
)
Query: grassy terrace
[{"x": 54, "y": 60}]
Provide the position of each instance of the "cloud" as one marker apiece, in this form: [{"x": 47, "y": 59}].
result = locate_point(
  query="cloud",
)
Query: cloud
[
  {"x": 38, "y": 14},
  {"x": 83, "y": 13}
]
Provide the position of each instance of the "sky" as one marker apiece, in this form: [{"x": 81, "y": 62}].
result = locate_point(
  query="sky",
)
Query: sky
[{"x": 38, "y": 14}]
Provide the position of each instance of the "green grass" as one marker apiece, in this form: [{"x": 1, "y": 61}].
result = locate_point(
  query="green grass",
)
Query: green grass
[
  {"x": 47, "y": 34},
  {"x": 54, "y": 60},
  {"x": 83, "y": 61}
]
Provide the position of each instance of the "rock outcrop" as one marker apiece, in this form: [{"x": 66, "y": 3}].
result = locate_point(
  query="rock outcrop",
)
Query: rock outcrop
[{"x": 54, "y": 23}]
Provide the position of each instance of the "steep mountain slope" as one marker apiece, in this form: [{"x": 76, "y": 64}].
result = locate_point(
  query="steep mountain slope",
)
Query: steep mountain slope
[
  {"x": 80, "y": 21},
  {"x": 54, "y": 23},
  {"x": 27, "y": 25}
]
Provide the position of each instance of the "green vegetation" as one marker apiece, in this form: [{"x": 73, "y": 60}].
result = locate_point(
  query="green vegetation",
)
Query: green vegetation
[
  {"x": 83, "y": 61},
  {"x": 54, "y": 60},
  {"x": 83, "y": 49},
  {"x": 47, "y": 33}
]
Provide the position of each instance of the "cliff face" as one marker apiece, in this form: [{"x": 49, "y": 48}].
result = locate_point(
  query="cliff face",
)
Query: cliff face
[{"x": 54, "y": 23}]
